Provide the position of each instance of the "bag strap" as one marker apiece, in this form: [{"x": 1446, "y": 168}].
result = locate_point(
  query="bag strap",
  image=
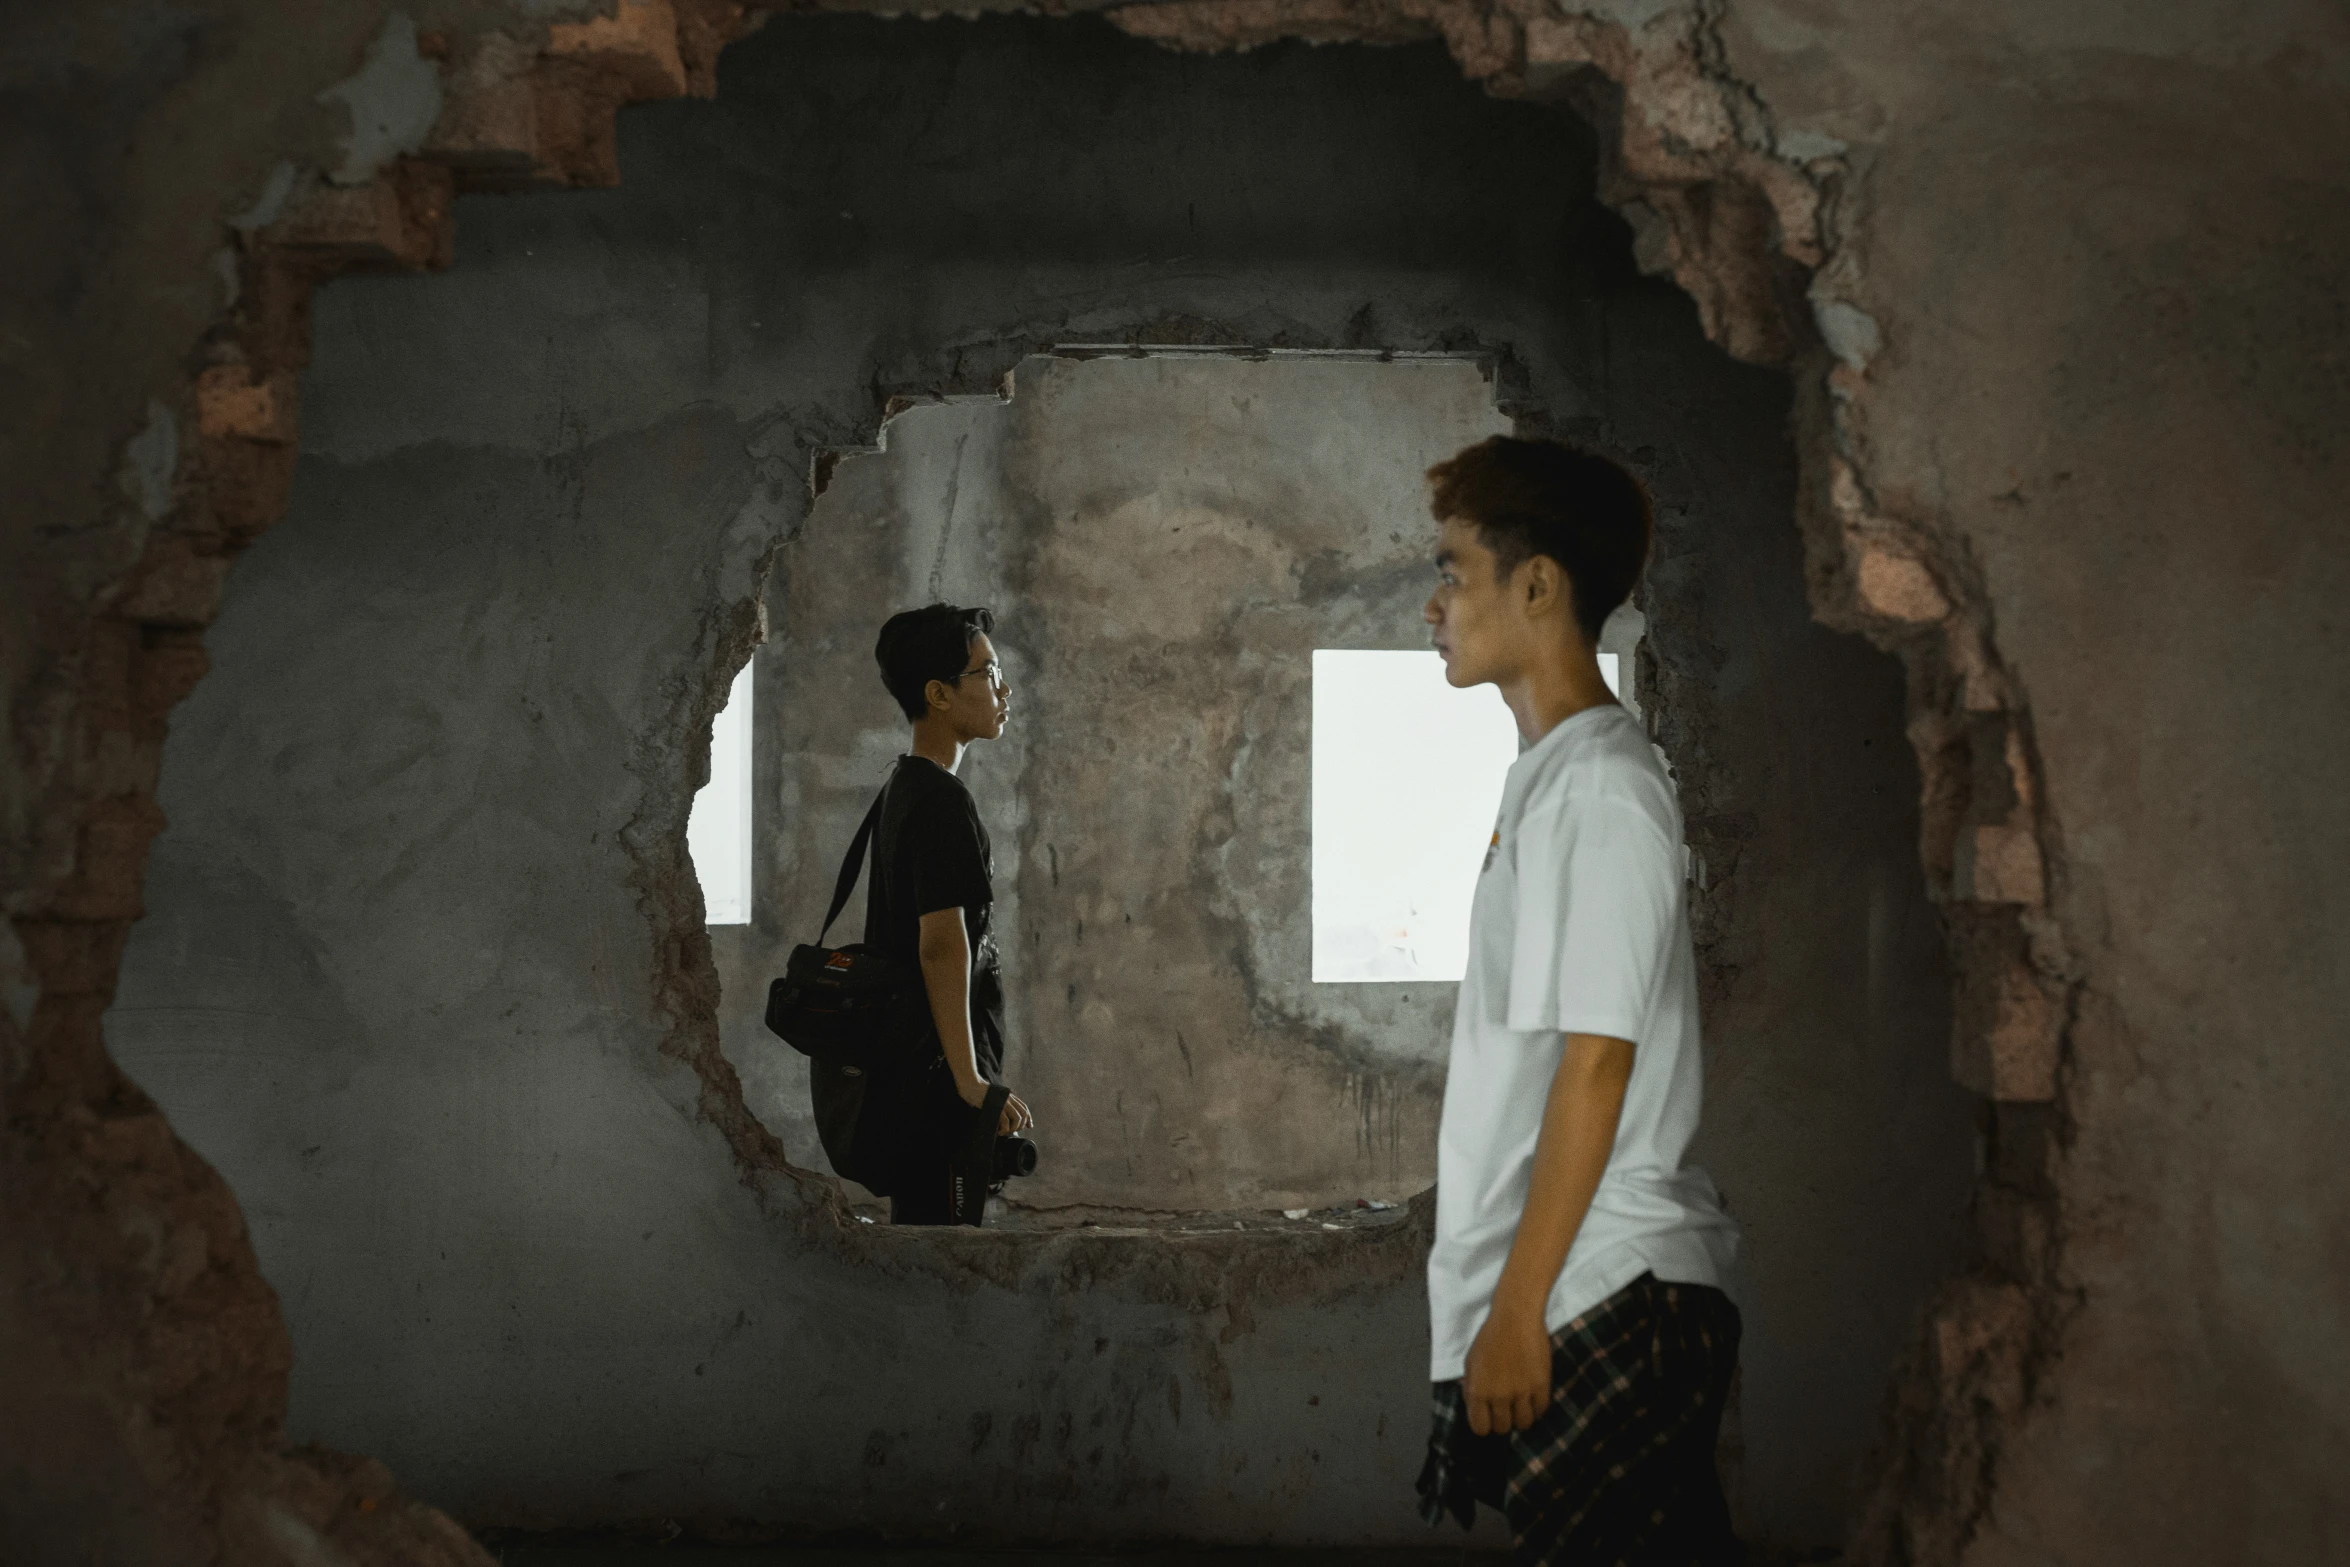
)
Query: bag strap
[{"x": 854, "y": 866}]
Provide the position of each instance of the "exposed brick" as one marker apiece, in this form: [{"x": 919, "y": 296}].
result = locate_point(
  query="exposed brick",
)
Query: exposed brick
[
  {"x": 66, "y": 1066},
  {"x": 577, "y": 141},
  {"x": 2005, "y": 1039},
  {"x": 110, "y": 660},
  {"x": 1578, "y": 41},
  {"x": 167, "y": 670},
  {"x": 123, "y": 761},
  {"x": 1981, "y": 688},
  {"x": 176, "y": 585},
  {"x": 1845, "y": 496},
  {"x": 704, "y": 28},
  {"x": 110, "y": 861},
  {"x": 273, "y": 321},
  {"x": 359, "y": 222},
  {"x": 1979, "y": 1340},
  {"x": 140, "y": 1140},
  {"x": 399, "y": 219},
  {"x": 244, "y": 484},
  {"x": 2019, "y": 770},
  {"x": 637, "y": 45},
  {"x": 1999, "y": 864},
  {"x": 73, "y": 957},
  {"x": 428, "y": 209},
  {"x": 1945, "y": 765},
  {"x": 2016, "y": 1230},
  {"x": 2023, "y": 1044},
  {"x": 1892, "y": 584},
  {"x": 231, "y": 401},
  {"x": 1995, "y": 793},
  {"x": 489, "y": 132}
]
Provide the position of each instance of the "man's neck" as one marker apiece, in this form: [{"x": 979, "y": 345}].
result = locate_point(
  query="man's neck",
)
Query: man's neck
[
  {"x": 1551, "y": 689},
  {"x": 935, "y": 742}
]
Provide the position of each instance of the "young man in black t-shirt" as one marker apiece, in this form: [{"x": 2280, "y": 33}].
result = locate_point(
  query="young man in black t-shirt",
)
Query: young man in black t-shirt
[{"x": 930, "y": 897}]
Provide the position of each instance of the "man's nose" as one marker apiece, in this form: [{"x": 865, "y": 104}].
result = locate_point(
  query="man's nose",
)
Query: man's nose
[{"x": 1431, "y": 613}]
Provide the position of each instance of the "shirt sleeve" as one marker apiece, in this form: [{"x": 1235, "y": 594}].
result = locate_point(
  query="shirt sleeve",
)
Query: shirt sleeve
[
  {"x": 1599, "y": 890},
  {"x": 948, "y": 859}
]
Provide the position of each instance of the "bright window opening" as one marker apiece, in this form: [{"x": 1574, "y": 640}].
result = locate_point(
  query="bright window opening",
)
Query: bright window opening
[
  {"x": 719, "y": 831},
  {"x": 1407, "y": 783}
]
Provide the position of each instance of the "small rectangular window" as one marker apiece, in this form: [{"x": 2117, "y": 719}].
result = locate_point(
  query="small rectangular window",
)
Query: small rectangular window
[
  {"x": 1407, "y": 781},
  {"x": 718, "y": 832}
]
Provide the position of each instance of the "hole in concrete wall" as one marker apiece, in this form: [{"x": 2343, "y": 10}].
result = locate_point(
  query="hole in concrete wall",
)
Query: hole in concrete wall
[{"x": 422, "y": 985}]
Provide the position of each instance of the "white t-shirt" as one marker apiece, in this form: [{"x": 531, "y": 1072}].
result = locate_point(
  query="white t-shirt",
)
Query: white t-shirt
[{"x": 1580, "y": 926}]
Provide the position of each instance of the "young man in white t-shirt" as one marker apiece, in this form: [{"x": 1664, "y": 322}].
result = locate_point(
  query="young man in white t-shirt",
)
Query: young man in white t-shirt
[{"x": 1582, "y": 1343}]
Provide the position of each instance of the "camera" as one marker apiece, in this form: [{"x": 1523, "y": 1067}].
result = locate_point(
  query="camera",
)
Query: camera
[
  {"x": 985, "y": 1159},
  {"x": 1014, "y": 1155}
]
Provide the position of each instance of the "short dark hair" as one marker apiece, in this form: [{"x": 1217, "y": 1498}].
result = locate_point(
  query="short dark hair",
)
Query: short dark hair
[
  {"x": 1529, "y": 498},
  {"x": 926, "y": 644}
]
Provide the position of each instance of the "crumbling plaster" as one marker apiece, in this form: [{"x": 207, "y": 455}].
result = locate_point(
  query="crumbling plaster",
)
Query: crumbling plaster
[
  {"x": 500, "y": 698},
  {"x": 1164, "y": 541},
  {"x": 1128, "y": 519},
  {"x": 2082, "y": 272}
]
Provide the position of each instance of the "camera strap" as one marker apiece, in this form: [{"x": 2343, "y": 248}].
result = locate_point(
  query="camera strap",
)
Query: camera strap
[
  {"x": 854, "y": 866},
  {"x": 967, "y": 1174}
]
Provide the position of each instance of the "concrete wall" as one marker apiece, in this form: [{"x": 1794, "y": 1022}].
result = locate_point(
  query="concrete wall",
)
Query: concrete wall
[
  {"x": 2105, "y": 248},
  {"x": 2078, "y": 451},
  {"x": 1165, "y": 541},
  {"x": 530, "y": 491}
]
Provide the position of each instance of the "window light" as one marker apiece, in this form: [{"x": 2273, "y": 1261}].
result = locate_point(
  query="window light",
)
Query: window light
[
  {"x": 718, "y": 832},
  {"x": 1406, "y": 785}
]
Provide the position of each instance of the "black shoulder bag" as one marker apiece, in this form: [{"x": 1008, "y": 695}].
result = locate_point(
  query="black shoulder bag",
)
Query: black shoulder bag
[{"x": 856, "y": 1014}]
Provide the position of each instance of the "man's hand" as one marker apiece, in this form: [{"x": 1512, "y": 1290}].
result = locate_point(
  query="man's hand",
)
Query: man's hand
[
  {"x": 1015, "y": 1117},
  {"x": 1507, "y": 1383}
]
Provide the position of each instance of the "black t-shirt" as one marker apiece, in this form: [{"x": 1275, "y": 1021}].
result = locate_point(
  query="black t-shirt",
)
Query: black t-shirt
[{"x": 931, "y": 853}]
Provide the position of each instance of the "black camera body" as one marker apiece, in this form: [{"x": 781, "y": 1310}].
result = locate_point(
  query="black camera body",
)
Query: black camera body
[
  {"x": 987, "y": 1160},
  {"x": 1014, "y": 1155}
]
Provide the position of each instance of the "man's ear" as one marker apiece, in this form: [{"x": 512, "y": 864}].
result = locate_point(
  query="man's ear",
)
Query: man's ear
[
  {"x": 938, "y": 696},
  {"x": 1545, "y": 583}
]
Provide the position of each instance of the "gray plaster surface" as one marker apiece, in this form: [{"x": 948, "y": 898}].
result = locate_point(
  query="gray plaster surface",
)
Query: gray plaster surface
[
  {"x": 399, "y": 981},
  {"x": 2099, "y": 249},
  {"x": 2122, "y": 331},
  {"x": 1165, "y": 542}
]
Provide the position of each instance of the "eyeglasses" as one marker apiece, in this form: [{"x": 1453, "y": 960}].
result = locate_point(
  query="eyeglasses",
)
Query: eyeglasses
[{"x": 993, "y": 670}]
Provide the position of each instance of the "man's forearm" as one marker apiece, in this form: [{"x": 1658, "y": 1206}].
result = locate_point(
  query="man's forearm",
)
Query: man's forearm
[
  {"x": 946, "y": 978},
  {"x": 1578, "y": 1133}
]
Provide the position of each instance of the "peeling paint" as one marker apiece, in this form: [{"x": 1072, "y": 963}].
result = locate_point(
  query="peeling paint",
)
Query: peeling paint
[
  {"x": 392, "y": 102},
  {"x": 150, "y": 463}
]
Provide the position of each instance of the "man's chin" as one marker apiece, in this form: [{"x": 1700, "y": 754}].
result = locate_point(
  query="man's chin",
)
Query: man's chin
[{"x": 1461, "y": 677}]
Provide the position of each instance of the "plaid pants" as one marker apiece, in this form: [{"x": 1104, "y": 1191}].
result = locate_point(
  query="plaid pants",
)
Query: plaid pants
[{"x": 1619, "y": 1470}]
